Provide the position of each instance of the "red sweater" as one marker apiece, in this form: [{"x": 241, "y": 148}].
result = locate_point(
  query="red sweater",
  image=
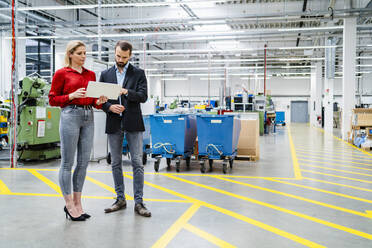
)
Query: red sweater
[{"x": 68, "y": 80}]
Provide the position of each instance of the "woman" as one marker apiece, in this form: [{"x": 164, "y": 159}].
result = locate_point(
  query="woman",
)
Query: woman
[{"x": 76, "y": 124}]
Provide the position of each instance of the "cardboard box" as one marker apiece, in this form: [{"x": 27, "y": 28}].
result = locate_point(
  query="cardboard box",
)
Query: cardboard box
[
  {"x": 362, "y": 117},
  {"x": 248, "y": 144}
]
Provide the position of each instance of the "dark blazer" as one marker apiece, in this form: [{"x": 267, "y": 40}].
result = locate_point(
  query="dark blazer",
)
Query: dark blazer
[{"x": 136, "y": 83}]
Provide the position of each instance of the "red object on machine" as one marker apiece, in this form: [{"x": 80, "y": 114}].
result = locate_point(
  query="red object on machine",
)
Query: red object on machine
[
  {"x": 222, "y": 111},
  {"x": 265, "y": 73}
]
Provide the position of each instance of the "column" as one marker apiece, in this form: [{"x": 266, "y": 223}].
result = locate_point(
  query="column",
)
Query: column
[
  {"x": 349, "y": 80},
  {"x": 316, "y": 94}
]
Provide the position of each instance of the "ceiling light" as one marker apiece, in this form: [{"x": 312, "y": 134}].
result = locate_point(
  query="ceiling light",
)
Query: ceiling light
[
  {"x": 175, "y": 79},
  {"x": 212, "y": 28},
  {"x": 213, "y": 78}
]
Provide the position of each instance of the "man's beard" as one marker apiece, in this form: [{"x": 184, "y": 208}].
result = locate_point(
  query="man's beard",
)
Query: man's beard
[{"x": 120, "y": 64}]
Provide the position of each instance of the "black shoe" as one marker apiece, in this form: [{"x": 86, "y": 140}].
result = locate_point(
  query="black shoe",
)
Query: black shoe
[
  {"x": 86, "y": 216},
  {"x": 119, "y": 204},
  {"x": 80, "y": 218},
  {"x": 140, "y": 209}
]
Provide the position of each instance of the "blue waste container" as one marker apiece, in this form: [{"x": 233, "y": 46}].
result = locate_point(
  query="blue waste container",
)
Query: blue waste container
[
  {"x": 280, "y": 117},
  {"x": 173, "y": 137},
  {"x": 218, "y": 137}
]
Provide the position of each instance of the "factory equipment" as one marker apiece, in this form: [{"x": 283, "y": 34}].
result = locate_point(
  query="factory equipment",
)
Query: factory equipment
[{"x": 38, "y": 123}]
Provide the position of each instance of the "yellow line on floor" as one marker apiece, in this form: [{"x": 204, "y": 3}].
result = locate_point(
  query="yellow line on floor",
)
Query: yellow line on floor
[
  {"x": 106, "y": 187},
  {"x": 344, "y": 171},
  {"x": 26, "y": 169},
  {"x": 296, "y": 167},
  {"x": 284, "y": 210},
  {"x": 323, "y": 191},
  {"x": 338, "y": 184},
  {"x": 4, "y": 188},
  {"x": 213, "y": 239},
  {"x": 323, "y": 204},
  {"x": 46, "y": 180},
  {"x": 176, "y": 227},
  {"x": 338, "y": 160},
  {"x": 337, "y": 138},
  {"x": 335, "y": 155},
  {"x": 334, "y": 164},
  {"x": 259, "y": 224},
  {"x": 332, "y": 175}
]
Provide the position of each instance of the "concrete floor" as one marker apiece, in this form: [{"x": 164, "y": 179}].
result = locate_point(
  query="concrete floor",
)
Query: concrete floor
[{"x": 308, "y": 189}]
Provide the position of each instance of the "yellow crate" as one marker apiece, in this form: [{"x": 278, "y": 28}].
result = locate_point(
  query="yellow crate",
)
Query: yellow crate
[
  {"x": 3, "y": 118},
  {"x": 200, "y": 106}
]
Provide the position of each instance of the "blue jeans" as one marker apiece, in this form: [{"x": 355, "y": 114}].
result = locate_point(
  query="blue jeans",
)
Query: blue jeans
[
  {"x": 135, "y": 141},
  {"x": 76, "y": 130}
]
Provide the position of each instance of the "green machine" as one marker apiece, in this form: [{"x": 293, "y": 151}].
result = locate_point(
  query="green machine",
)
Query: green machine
[{"x": 38, "y": 123}]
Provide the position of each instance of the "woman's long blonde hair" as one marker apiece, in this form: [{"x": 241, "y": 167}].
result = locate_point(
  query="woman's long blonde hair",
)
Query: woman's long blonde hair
[{"x": 70, "y": 49}]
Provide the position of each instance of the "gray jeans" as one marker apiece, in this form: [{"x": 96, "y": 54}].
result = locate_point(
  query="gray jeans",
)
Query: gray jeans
[
  {"x": 136, "y": 149},
  {"x": 76, "y": 130}
]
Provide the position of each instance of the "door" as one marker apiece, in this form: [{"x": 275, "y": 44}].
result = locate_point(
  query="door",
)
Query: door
[{"x": 299, "y": 111}]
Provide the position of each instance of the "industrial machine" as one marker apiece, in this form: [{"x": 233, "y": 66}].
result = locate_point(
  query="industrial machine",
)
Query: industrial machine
[{"x": 38, "y": 123}]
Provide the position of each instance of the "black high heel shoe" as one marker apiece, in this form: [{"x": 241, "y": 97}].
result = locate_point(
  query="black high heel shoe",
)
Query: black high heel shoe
[
  {"x": 80, "y": 218},
  {"x": 85, "y": 215}
]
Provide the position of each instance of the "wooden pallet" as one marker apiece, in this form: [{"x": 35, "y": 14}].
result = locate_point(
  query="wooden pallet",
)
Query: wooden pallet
[
  {"x": 247, "y": 157},
  {"x": 366, "y": 148}
]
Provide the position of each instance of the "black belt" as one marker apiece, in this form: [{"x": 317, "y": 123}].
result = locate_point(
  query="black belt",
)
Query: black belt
[{"x": 80, "y": 106}]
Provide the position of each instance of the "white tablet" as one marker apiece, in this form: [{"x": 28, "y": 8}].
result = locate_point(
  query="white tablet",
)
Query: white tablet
[{"x": 97, "y": 89}]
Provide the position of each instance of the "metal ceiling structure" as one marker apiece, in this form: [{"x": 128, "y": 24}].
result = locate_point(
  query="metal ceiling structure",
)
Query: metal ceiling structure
[{"x": 202, "y": 31}]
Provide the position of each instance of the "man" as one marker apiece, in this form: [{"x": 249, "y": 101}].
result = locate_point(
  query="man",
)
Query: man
[{"x": 123, "y": 116}]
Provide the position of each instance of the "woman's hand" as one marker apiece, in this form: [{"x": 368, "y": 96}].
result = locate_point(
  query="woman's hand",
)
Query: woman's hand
[
  {"x": 101, "y": 100},
  {"x": 79, "y": 93}
]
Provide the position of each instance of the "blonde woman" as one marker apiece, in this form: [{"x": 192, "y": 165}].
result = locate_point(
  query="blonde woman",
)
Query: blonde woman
[{"x": 76, "y": 124}]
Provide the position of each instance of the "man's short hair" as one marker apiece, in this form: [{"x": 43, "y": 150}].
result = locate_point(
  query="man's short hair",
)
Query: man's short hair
[{"x": 124, "y": 45}]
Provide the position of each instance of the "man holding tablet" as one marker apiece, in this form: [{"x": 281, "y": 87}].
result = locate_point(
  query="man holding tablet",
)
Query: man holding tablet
[{"x": 124, "y": 116}]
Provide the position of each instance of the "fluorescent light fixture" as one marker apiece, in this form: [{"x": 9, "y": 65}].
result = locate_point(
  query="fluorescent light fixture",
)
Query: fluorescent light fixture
[
  {"x": 297, "y": 66},
  {"x": 260, "y": 78},
  {"x": 175, "y": 79},
  {"x": 213, "y": 78},
  {"x": 296, "y": 77},
  {"x": 364, "y": 65},
  {"x": 309, "y": 29},
  {"x": 160, "y": 75}
]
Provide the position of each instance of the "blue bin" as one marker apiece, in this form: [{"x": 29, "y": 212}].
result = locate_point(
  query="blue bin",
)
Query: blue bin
[
  {"x": 280, "y": 117},
  {"x": 218, "y": 136},
  {"x": 173, "y": 135}
]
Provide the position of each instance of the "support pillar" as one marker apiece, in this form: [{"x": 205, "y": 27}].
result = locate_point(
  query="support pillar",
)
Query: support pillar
[
  {"x": 316, "y": 94},
  {"x": 349, "y": 80}
]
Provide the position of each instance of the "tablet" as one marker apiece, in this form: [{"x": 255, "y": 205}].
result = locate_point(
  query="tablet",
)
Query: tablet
[{"x": 97, "y": 89}]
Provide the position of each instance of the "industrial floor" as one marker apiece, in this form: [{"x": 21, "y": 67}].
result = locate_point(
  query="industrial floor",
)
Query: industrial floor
[{"x": 308, "y": 189}]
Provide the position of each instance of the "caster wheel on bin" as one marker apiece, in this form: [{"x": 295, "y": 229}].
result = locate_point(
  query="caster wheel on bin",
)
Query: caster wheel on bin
[
  {"x": 231, "y": 162},
  {"x": 108, "y": 158},
  {"x": 224, "y": 168},
  {"x": 156, "y": 165},
  {"x": 188, "y": 160},
  {"x": 168, "y": 164},
  {"x": 210, "y": 165},
  {"x": 178, "y": 165},
  {"x": 202, "y": 167},
  {"x": 144, "y": 158}
]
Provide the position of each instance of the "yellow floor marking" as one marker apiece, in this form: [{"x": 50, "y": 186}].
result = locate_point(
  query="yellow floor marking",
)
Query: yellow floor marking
[
  {"x": 213, "y": 239},
  {"x": 338, "y": 184},
  {"x": 26, "y": 169},
  {"x": 237, "y": 216},
  {"x": 296, "y": 166},
  {"x": 176, "y": 227},
  {"x": 304, "y": 216},
  {"x": 106, "y": 187},
  {"x": 337, "y": 138},
  {"x": 334, "y": 164},
  {"x": 46, "y": 180},
  {"x": 323, "y": 204},
  {"x": 335, "y": 155},
  {"x": 4, "y": 188},
  {"x": 322, "y": 190},
  {"x": 338, "y": 160},
  {"x": 332, "y": 175},
  {"x": 345, "y": 171}
]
